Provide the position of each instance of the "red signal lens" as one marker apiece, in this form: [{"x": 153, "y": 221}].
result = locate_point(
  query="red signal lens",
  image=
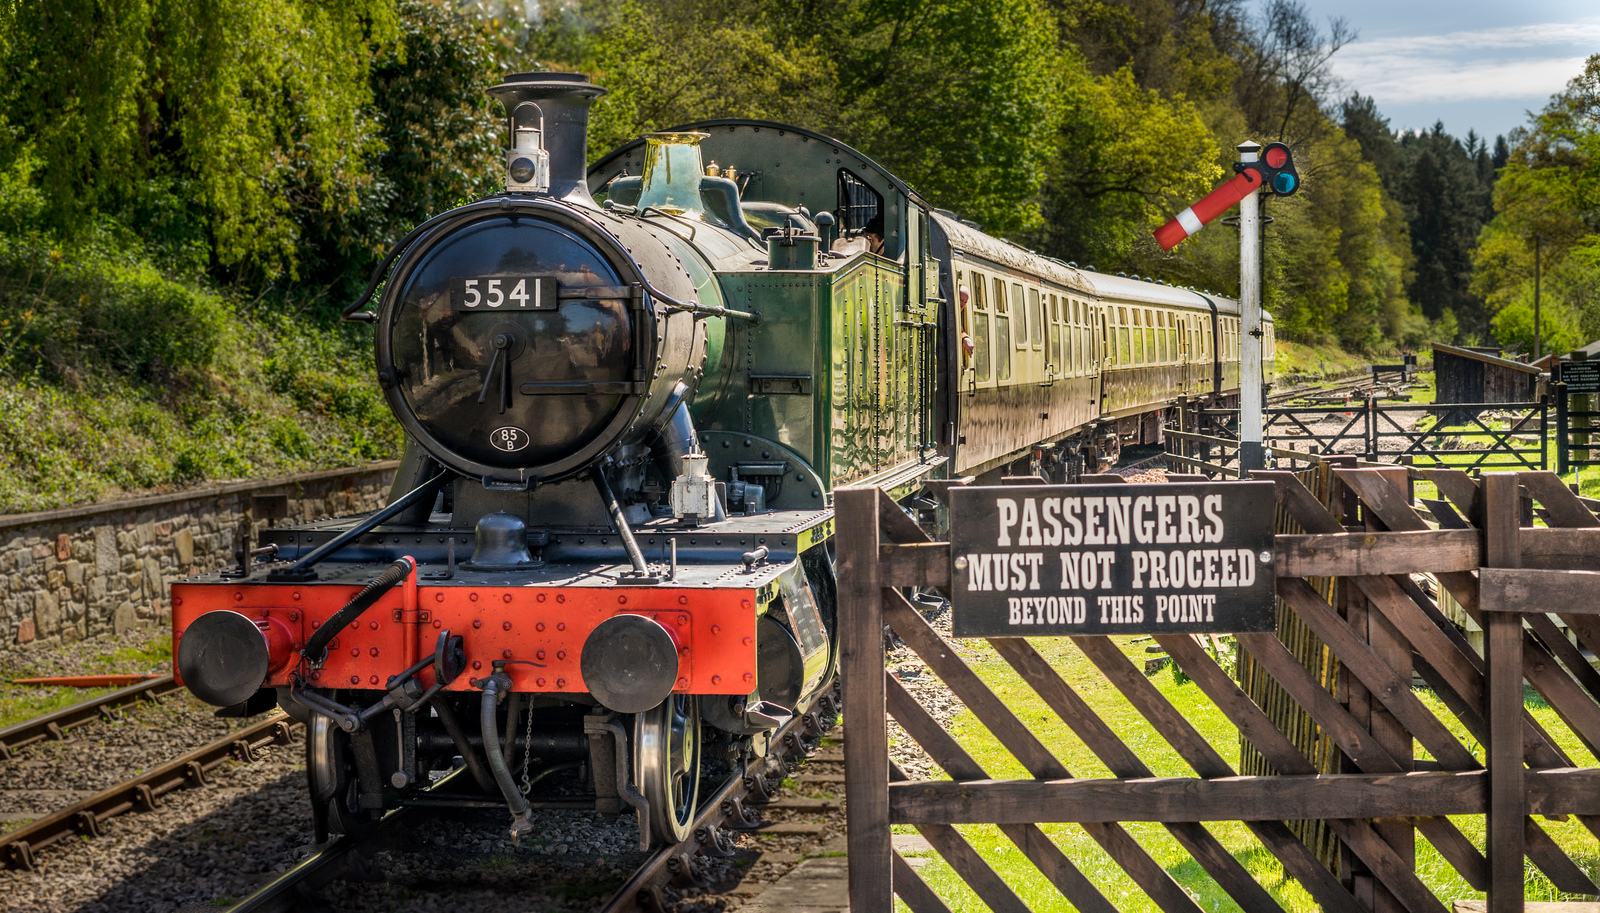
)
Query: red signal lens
[{"x": 1277, "y": 156}]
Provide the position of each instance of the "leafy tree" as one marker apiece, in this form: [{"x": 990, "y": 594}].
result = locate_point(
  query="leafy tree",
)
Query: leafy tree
[
  {"x": 1188, "y": 48},
  {"x": 674, "y": 61},
  {"x": 958, "y": 97},
  {"x": 438, "y": 140},
  {"x": 163, "y": 111},
  {"x": 1126, "y": 158},
  {"x": 1547, "y": 200}
]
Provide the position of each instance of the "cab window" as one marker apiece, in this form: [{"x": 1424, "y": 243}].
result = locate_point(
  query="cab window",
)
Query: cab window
[{"x": 858, "y": 203}]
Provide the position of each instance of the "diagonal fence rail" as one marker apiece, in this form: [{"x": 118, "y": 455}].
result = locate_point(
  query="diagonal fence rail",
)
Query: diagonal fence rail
[{"x": 1352, "y": 579}]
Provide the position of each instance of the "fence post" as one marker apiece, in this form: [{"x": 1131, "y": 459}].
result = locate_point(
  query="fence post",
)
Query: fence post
[
  {"x": 866, "y": 759},
  {"x": 1503, "y": 657},
  {"x": 1544, "y": 431},
  {"x": 1184, "y": 426},
  {"x": 1563, "y": 457},
  {"x": 1581, "y": 403},
  {"x": 1372, "y": 427}
]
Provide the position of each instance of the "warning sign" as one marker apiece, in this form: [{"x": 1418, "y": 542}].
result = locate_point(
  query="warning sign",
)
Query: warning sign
[{"x": 1112, "y": 559}]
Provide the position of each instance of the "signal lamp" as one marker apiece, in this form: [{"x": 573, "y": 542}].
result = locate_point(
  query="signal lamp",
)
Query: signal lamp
[{"x": 1277, "y": 170}]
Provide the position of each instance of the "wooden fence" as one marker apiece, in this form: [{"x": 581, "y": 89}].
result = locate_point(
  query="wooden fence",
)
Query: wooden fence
[{"x": 1373, "y": 618}]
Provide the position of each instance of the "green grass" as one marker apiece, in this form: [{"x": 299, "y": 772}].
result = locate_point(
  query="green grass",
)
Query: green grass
[
  {"x": 1296, "y": 359},
  {"x": 18, "y": 703},
  {"x": 1124, "y": 720},
  {"x": 120, "y": 374}
]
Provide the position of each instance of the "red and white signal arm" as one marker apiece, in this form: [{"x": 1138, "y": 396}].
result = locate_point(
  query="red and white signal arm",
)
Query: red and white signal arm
[
  {"x": 1210, "y": 206},
  {"x": 1273, "y": 172}
]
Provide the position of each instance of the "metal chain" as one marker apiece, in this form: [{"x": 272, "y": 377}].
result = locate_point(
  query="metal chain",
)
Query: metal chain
[{"x": 527, "y": 755}]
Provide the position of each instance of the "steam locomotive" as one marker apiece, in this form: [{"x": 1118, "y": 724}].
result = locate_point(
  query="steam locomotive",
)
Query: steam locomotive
[{"x": 605, "y": 568}]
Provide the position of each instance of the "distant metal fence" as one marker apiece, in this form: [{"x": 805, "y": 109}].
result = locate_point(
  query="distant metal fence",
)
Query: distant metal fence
[{"x": 1467, "y": 436}]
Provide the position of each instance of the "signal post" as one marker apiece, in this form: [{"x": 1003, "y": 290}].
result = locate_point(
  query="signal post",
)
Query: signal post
[
  {"x": 1252, "y": 377},
  {"x": 1275, "y": 173}
]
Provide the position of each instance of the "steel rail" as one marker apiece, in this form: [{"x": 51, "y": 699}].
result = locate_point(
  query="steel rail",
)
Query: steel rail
[
  {"x": 52, "y": 725},
  {"x": 635, "y": 893},
  {"x": 282, "y": 895},
  {"x": 142, "y": 793}
]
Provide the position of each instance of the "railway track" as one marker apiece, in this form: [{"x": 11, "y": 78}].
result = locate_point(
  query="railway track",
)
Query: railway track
[
  {"x": 143, "y": 792},
  {"x": 54, "y": 725},
  {"x": 1340, "y": 386},
  {"x": 641, "y": 891}
]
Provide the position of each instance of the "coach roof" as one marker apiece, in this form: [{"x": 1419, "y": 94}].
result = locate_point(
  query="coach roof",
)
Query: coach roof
[{"x": 965, "y": 238}]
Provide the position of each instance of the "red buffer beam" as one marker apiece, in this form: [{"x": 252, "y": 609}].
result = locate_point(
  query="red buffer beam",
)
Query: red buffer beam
[{"x": 1209, "y": 207}]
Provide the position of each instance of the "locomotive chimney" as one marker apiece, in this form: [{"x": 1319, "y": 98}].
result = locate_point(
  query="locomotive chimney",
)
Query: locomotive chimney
[{"x": 564, "y": 100}]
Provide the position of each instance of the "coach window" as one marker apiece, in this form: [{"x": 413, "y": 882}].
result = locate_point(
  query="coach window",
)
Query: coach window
[
  {"x": 1084, "y": 353},
  {"x": 1002, "y": 332},
  {"x": 980, "y": 335},
  {"x": 1172, "y": 338},
  {"x": 1035, "y": 319},
  {"x": 1074, "y": 345},
  {"x": 1138, "y": 336},
  {"x": 1069, "y": 330},
  {"x": 1076, "y": 338},
  {"x": 1055, "y": 335},
  {"x": 1087, "y": 352},
  {"x": 1023, "y": 314},
  {"x": 1124, "y": 338},
  {"x": 1161, "y": 337}
]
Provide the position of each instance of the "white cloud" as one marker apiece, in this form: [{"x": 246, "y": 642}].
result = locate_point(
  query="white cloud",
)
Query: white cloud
[
  {"x": 1546, "y": 35},
  {"x": 1415, "y": 79},
  {"x": 1523, "y": 61}
]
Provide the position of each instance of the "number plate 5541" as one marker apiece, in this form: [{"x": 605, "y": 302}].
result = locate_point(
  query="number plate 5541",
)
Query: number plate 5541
[{"x": 504, "y": 293}]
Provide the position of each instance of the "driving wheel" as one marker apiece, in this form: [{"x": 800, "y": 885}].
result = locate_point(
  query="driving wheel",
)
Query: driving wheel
[
  {"x": 330, "y": 775},
  {"x": 667, "y": 763}
]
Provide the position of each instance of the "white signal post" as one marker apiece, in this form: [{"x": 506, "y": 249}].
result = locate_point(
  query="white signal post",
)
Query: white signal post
[
  {"x": 1252, "y": 381},
  {"x": 1277, "y": 173}
]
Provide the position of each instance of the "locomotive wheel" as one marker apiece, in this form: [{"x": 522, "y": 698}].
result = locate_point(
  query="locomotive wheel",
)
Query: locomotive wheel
[
  {"x": 666, "y": 754},
  {"x": 330, "y": 773},
  {"x": 1109, "y": 452}
]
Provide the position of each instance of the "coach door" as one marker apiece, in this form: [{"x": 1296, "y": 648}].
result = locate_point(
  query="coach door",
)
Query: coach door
[{"x": 1098, "y": 349}]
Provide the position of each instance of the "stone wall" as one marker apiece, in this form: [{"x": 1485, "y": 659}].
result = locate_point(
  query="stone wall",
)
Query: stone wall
[{"x": 75, "y": 572}]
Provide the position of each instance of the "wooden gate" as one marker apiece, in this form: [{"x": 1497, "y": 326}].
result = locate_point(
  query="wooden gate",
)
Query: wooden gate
[{"x": 1349, "y": 580}]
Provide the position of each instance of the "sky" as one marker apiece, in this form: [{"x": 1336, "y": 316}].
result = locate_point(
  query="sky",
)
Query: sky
[{"x": 1478, "y": 64}]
